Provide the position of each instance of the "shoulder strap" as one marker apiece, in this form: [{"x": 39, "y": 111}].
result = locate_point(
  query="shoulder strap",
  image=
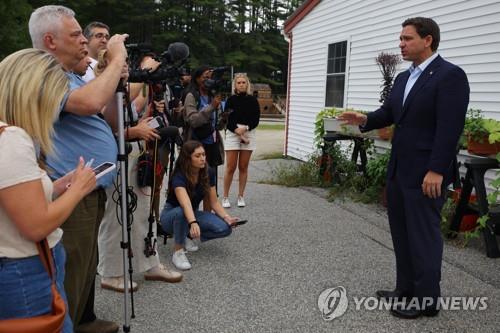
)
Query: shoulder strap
[{"x": 46, "y": 257}]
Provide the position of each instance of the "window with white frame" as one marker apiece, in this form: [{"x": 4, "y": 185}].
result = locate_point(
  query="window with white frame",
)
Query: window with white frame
[{"x": 335, "y": 74}]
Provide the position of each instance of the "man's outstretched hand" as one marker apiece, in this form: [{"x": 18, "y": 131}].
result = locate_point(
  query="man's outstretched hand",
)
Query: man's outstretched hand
[{"x": 353, "y": 118}]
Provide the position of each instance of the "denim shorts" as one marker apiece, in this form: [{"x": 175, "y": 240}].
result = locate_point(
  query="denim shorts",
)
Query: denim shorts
[{"x": 25, "y": 287}]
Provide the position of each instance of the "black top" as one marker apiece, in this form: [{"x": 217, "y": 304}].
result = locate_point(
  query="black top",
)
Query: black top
[
  {"x": 245, "y": 111},
  {"x": 180, "y": 180}
]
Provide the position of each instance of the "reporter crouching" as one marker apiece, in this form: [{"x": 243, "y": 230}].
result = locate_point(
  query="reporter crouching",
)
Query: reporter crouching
[{"x": 192, "y": 182}]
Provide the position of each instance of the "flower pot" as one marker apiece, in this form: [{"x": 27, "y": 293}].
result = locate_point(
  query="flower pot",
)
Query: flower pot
[
  {"x": 456, "y": 193},
  {"x": 385, "y": 133},
  {"x": 482, "y": 147},
  {"x": 468, "y": 222},
  {"x": 324, "y": 163},
  {"x": 335, "y": 125}
]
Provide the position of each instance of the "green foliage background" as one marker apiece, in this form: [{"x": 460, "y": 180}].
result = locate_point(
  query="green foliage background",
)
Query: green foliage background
[{"x": 243, "y": 33}]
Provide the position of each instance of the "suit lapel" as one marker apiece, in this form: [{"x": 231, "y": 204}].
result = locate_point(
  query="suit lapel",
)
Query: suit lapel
[
  {"x": 422, "y": 79},
  {"x": 398, "y": 90}
]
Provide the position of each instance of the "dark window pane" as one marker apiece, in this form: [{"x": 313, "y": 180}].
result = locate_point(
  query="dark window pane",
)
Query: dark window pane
[
  {"x": 335, "y": 83},
  {"x": 330, "y": 66},
  {"x": 338, "y": 50},
  {"x": 331, "y": 51},
  {"x": 336, "y": 57},
  {"x": 335, "y": 91},
  {"x": 342, "y": 65},
  {"x": 337, "y": 66}
]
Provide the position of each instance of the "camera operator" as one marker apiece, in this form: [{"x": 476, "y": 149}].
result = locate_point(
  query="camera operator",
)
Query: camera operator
[
  {"x": 200, "y": 117},
  {"x": 79, "y": 131},
  {"x": 97, "y": 33},
  {"x": 110, "y": 266}
]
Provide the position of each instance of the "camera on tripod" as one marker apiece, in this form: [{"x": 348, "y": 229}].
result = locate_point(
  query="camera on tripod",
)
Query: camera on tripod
[
  {"x": 217, "y": 83},
  {"x": 171, "y": 62}
]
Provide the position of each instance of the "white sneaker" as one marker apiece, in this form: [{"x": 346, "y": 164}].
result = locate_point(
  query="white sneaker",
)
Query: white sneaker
[
  {"x": 116, "y": 284},
  {"x": 191, "y": 245},
  {"x": 180, "y": 260},
  {"x": 226, "y": 203},
  {"x": 241, "y": 202},
  {"x": 162, "y": 273}
]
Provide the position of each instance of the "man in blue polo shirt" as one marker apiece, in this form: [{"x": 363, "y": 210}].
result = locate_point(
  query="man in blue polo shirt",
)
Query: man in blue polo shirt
[{"x": 84, "y": 128}]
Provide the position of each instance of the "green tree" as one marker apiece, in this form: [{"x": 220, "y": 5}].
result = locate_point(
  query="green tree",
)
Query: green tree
[
  {"x": 242, "y": 33},
  {"x": 14, "y": 35}
]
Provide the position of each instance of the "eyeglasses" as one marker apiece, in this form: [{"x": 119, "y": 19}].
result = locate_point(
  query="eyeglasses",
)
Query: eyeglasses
[{"x": 101, "y": 35}]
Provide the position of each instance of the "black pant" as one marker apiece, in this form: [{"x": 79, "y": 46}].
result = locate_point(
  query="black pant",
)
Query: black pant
[{"x": 416, "y": 235}]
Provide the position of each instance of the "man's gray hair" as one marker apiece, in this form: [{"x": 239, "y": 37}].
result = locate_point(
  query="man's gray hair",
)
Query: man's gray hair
[{"x": 46, "y": 19}]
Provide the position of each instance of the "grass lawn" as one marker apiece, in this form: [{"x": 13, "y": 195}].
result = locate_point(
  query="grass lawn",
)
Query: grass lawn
[{"x": 273, "y": 127}]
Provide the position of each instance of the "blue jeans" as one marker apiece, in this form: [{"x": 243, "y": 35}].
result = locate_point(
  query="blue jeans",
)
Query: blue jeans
[
  {"x": 174, "y": 222},
  {"x": 25, "y": 287}
]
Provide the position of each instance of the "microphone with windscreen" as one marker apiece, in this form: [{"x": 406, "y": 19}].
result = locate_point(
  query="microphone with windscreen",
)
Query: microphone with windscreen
[
  {"x": 176, "y": 52},
  {"x": 171, "y": 61}
]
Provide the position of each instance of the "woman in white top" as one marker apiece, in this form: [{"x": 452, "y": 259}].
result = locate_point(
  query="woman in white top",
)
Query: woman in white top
[{"x": 32, "y": 90}]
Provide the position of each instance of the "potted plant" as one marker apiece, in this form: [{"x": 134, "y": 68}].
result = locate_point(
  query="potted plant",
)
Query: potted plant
[
  {"x": 376, "y": 172},
  {"x": 388, "y": 64},
  {"x": 468, "y": 221},
  {"x": 483, "y": 135},
  {"x": 326, "y": 122}
]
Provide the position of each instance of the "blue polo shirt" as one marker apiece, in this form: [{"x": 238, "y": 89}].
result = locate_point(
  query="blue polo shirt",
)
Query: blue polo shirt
[{"x": 86, "y": 136}]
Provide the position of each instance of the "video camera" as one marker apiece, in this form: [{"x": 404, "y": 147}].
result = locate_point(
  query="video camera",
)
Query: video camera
[
  {"x": 171, "y": 63},
  {"x": 217, "y": 84}
]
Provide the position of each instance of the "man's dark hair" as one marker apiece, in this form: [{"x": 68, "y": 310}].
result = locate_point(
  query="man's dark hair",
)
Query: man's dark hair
[
  {"x": 87, "y": 32},
  {"x": 425, "y": 26}
]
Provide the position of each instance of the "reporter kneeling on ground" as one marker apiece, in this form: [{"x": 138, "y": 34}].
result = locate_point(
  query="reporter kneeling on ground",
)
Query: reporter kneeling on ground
[{"x": 193, "y": 181}]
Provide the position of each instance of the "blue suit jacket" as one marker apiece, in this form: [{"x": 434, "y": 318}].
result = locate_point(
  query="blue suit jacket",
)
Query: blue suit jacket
[{"x": 428, "y": 125}]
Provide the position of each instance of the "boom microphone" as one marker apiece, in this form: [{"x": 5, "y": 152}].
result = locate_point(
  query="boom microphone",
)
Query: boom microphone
[{"x": 177, "y": 52}]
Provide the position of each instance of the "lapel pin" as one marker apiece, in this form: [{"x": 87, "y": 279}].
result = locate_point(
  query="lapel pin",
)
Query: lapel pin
[{"x": 430, "y": 73}]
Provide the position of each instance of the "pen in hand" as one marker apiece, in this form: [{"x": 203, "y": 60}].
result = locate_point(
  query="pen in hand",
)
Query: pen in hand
[{"x": 89, "y": 163}]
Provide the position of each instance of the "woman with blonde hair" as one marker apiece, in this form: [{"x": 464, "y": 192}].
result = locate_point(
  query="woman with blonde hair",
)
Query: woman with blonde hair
[
  {"x": 33, "y": 87},
  {"x": 244, "y": 116}
]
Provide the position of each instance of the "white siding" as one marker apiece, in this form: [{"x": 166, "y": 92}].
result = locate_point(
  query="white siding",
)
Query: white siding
[{"x": 470, "y": 38}]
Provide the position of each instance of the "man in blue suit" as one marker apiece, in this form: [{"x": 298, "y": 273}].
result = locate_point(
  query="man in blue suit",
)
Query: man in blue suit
[{"x": 427, "y": 105}]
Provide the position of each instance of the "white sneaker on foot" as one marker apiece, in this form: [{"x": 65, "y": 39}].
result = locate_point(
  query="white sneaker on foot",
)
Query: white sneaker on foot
[
  {"x": 226, "y": 203},
  {"x": 241, "y": 202},
  {"x": 116, "y": 284},
  {"x": 180, "y": 260},
  {"x": 162, "y": 273},
  {"x": 191, "y": 245}
]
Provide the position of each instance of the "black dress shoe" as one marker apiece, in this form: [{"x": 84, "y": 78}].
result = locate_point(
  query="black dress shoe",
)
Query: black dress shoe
[
  {"x": 413, "y": 314},
  {"x": 390, "y": 294}
]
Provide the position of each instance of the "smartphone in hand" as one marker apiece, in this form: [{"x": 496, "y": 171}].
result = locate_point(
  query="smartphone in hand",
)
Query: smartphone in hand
[
  {"x": 240, "y": 222},
  {"x": 103, "y": 169}
]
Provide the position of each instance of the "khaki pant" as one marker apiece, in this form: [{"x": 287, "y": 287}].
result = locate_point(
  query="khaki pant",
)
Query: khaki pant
[{"x": 80, "y": 242}]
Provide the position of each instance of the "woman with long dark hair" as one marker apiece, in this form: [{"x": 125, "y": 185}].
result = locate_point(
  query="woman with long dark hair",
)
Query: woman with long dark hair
[
  {"x": 193, "y": 181},
  {"x": 200, "y": 116}
]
